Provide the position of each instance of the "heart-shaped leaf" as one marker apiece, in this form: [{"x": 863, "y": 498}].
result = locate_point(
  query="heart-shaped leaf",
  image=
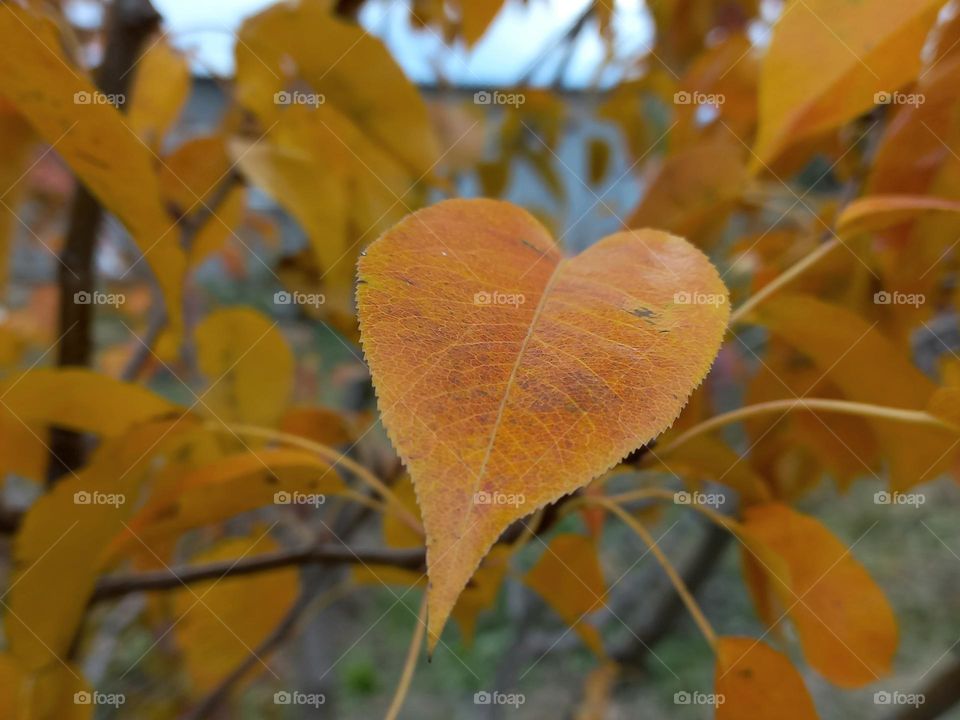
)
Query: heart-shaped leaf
[{"x": 509, "y": 375}]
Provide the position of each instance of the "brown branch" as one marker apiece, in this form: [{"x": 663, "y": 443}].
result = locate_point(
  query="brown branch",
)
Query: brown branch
[
  {"x": 119, "y": 585},
  {"x": 129, "y": 24}
]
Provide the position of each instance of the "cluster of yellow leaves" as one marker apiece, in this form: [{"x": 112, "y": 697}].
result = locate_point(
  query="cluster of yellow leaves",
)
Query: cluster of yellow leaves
[{"x": 508, "y": 374}]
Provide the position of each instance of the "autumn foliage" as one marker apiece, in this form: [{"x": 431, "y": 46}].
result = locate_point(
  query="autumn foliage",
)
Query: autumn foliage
[{"x": 770, "y": 317}]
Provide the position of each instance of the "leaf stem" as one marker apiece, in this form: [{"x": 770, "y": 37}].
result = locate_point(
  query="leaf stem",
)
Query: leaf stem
[
  {"x": 663, "y": 494},
  {"x": 844, "y": 407},
  {"x": 335, "y": 457},
  {"x": 694, "y": 609},
  {"x": 411, "y": 663},
  {"x": 783, "y": 279}
]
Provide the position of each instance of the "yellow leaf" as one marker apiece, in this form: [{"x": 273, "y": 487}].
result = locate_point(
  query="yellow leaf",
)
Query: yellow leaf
[
  {"x": 190, "y": 175},
  {"x": 506, "y": 372},
  {"x": 320, "y": 424},
  {"x": 249, "y": 366},
  {"x": 91, "y": 135},
  {"x": 692, "y": 186},
  {"x": 708, "y": 459},
  {"x": 225, "y": 487},
  {"x": 219, "y": 227},
  {"x": 62, "y": 540},
  {"x": 569, "y": 578},
  {"x": 319, "y": 167},
  {"x": 846, "y": 626},
  {"x": 477, "y": 16},
  {"x": 829, "y": 59},
  {"x": 81, "y": 400},
  {"x": 220, "y": 622},
  {"x": 291, "y": 44},
  {"x": 160, "y": 88},
  {"x": 481, "y": 593},
  {"x": 397, "y": 533},
  {"x": 758, "y": 683},
  {"x": 860, "y": 361},
  {"x": 58, "y": 692},
  {"x": 945, "y": 404}
]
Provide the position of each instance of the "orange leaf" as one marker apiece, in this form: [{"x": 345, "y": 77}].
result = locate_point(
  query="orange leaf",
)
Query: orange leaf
[
  {"x": 845, "y": 624},
  {"x": 860, "y": 361},
  {"x": 569, "y": 578},
  {"x": 756, "y": 682},
  {"x": 829, "y": 60},
  {"x": 509, "y": 376}
]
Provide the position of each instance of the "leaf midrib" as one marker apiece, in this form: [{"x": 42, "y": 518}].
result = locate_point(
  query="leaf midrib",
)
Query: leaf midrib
[{"x": 510, "y": 381}]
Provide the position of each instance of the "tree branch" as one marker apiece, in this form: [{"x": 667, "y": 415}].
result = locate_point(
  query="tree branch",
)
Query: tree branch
[
  {"x": 129, "y": 24},
  {"x": 118, "y": 585}
]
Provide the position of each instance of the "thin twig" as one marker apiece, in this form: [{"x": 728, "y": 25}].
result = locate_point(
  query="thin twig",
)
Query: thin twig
[
  {"x": 844, "y": 407},
  {"x": 413, "y": 654},
  {"x": 118, "y": 585},
  {"x": 692, "y": 606}
]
